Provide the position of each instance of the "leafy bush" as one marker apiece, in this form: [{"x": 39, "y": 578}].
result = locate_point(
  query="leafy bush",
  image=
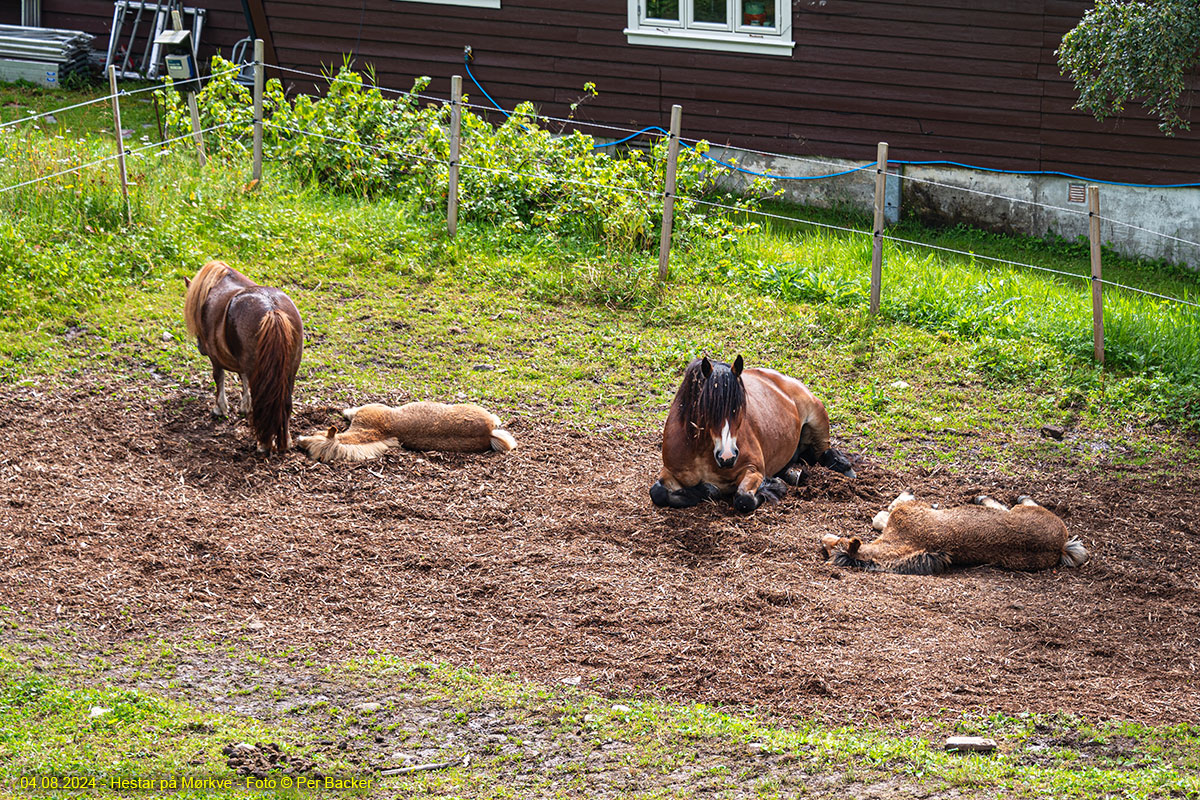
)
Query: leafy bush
[{"x": 517, "y": 175}]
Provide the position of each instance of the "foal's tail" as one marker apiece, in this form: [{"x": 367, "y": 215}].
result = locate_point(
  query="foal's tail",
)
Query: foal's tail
[
  {"x": 1074, "y": 554},
  {"x": 502, "y": 440},
  {"x": 272, "y": 380}
]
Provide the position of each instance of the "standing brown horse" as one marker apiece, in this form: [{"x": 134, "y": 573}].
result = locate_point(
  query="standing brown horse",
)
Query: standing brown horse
[
  {"x": 254, "y": 331},
  {"x": 740, "y": 432}
]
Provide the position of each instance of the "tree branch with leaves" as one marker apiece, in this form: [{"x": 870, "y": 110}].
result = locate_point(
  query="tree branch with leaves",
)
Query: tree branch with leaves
[{"x": 1122, "y": 51}]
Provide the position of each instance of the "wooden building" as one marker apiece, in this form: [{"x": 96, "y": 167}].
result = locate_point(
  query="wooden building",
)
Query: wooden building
[{"x": 975, "y": 83}]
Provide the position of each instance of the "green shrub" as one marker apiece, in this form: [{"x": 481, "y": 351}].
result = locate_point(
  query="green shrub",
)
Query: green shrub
[{"x": 517, "y": 175}]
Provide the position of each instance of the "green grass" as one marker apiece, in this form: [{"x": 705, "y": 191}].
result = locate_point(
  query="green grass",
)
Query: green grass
[
  {"x": 58, "y": 732},
  {"x": 555, "y": 739},
  {"x": 21, "y": 100}
]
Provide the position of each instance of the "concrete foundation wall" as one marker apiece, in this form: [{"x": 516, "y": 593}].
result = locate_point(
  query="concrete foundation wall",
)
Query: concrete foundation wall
[{"x": 1151, "y": 223}]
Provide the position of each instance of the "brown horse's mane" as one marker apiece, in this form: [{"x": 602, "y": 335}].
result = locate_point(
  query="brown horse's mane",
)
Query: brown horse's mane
[
  {"x": 706, "y": 402},
  {"x": 197, "y": 293}
]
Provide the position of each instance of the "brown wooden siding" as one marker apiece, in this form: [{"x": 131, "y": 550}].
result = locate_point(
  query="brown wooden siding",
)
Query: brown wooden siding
[{"x": 934, "y": 79}]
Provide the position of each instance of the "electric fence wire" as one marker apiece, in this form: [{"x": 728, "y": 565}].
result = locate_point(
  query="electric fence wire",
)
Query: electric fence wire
[
  {"x": 1147, "y": 230},
  {"x": 874, "y": 164},
  {"x": 850, "y": 169},
  {"x": 134, "y": 152},
  {"x": 475, "y": 106},
  {"x": 107, "y": 98},
  {"x": 635, "y": 133},
  {"x": 736, "y": 209},
  {"x": 656, "y": 130},
  {"x": 1047, "y": 206},
  {"x": 826, "y": 163},
  {"x": 331, "y": 79},
  {"x": 927, "y": 245},
  {"x": 981, "y": 193},
  {"x": 461, "y": 165}
]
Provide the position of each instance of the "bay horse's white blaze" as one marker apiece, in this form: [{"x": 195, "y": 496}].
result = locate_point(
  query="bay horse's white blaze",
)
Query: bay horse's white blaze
[
  {"x": 919, "y": 539},
  {"x": 725, "y": 447},
  {"x": 375, "y": 428}
]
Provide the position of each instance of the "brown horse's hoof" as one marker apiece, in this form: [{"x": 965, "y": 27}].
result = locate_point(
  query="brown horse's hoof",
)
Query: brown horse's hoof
[{"x": 745, "y": 502}]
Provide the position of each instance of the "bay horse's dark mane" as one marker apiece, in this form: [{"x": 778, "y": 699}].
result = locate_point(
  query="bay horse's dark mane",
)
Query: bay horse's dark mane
[{"x": 705, "y": 402}]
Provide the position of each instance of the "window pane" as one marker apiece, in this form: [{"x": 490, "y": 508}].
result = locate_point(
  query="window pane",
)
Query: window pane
[
  {"x": 711, "y": 10},
  {"x": 662, "y": 9},
  {"x": 758, "y": 12}
]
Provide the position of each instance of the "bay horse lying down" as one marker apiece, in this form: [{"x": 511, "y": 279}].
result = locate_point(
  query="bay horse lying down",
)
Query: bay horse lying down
[
  {"x": 374, "y": 428},
  {"x": 920, "y": 540},
  {"x": 740, "y": 432},
  {"x": 254, "y": 331}
]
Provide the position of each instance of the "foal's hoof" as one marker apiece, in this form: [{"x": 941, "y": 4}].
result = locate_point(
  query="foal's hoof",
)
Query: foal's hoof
[
  {"x": 217, "y": 413},
  {"x": 660, "y": 495}
]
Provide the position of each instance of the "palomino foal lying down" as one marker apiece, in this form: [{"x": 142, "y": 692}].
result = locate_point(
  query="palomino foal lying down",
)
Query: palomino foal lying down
[
  {"x": 919, "y": 540},
  {"x": 374, "y": 428}
]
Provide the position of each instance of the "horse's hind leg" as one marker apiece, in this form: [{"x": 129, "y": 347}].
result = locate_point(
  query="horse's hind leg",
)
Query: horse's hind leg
[
  {"x": 904, "y": 497},
  {"x": 791, "y": 475},
  {"x": 838, "y": 461},
  {"x": 881, "y": 519},
  {"x": 221, "y": 408},
  {"x": 244, "y": 403},
  {"x": 1026, "y": 500},
  {"x": 987, "y": 502}
]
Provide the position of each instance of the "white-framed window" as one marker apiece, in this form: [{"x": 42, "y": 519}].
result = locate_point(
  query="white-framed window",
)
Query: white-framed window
[
  {"x": 471, "y": 3},
  {"x": 733, "y": 26}
]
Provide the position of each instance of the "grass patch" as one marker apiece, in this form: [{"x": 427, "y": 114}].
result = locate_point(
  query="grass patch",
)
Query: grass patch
[
  {"x": 60, "y": 736},
  {"x": 526, "y": 740}
]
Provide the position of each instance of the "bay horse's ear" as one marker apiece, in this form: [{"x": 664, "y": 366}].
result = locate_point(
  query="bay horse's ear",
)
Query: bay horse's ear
[
  {"x": 332, "y": 432},
  {"x": 852, "y": 548},
  {"x": 737, "y": 365},
  {"x": 706, "y": 366}
]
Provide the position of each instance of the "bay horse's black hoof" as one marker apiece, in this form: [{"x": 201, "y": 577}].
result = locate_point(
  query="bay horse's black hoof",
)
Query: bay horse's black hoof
[
  {"x": 744, "y": 502},
  {"x": 837, "y": 461},
  {"x": 663, "y": 497}
]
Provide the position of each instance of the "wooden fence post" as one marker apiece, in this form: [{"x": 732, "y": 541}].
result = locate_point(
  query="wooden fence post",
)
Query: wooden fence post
[
  {"x": 1093, "y": 193},
  {"x": 112, "y": 87},
  {"x": 877, "y": 249},
  {"x": 664, "y": 242},
  {"x": 193, "y": 106},
  {"x": 258, "y": 110},
  {"x": 452, "y": 177}
]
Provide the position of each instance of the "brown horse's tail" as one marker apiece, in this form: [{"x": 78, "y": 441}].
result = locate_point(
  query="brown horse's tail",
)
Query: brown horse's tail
[{"x": 272, "y": 380}]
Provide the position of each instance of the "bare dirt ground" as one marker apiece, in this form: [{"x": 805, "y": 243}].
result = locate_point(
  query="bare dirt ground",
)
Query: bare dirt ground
[{"x": 130, "y": 515}]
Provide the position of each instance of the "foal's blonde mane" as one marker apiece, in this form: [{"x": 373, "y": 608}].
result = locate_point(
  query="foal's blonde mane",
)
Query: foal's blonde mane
[{"x": 198, "y": 291}]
